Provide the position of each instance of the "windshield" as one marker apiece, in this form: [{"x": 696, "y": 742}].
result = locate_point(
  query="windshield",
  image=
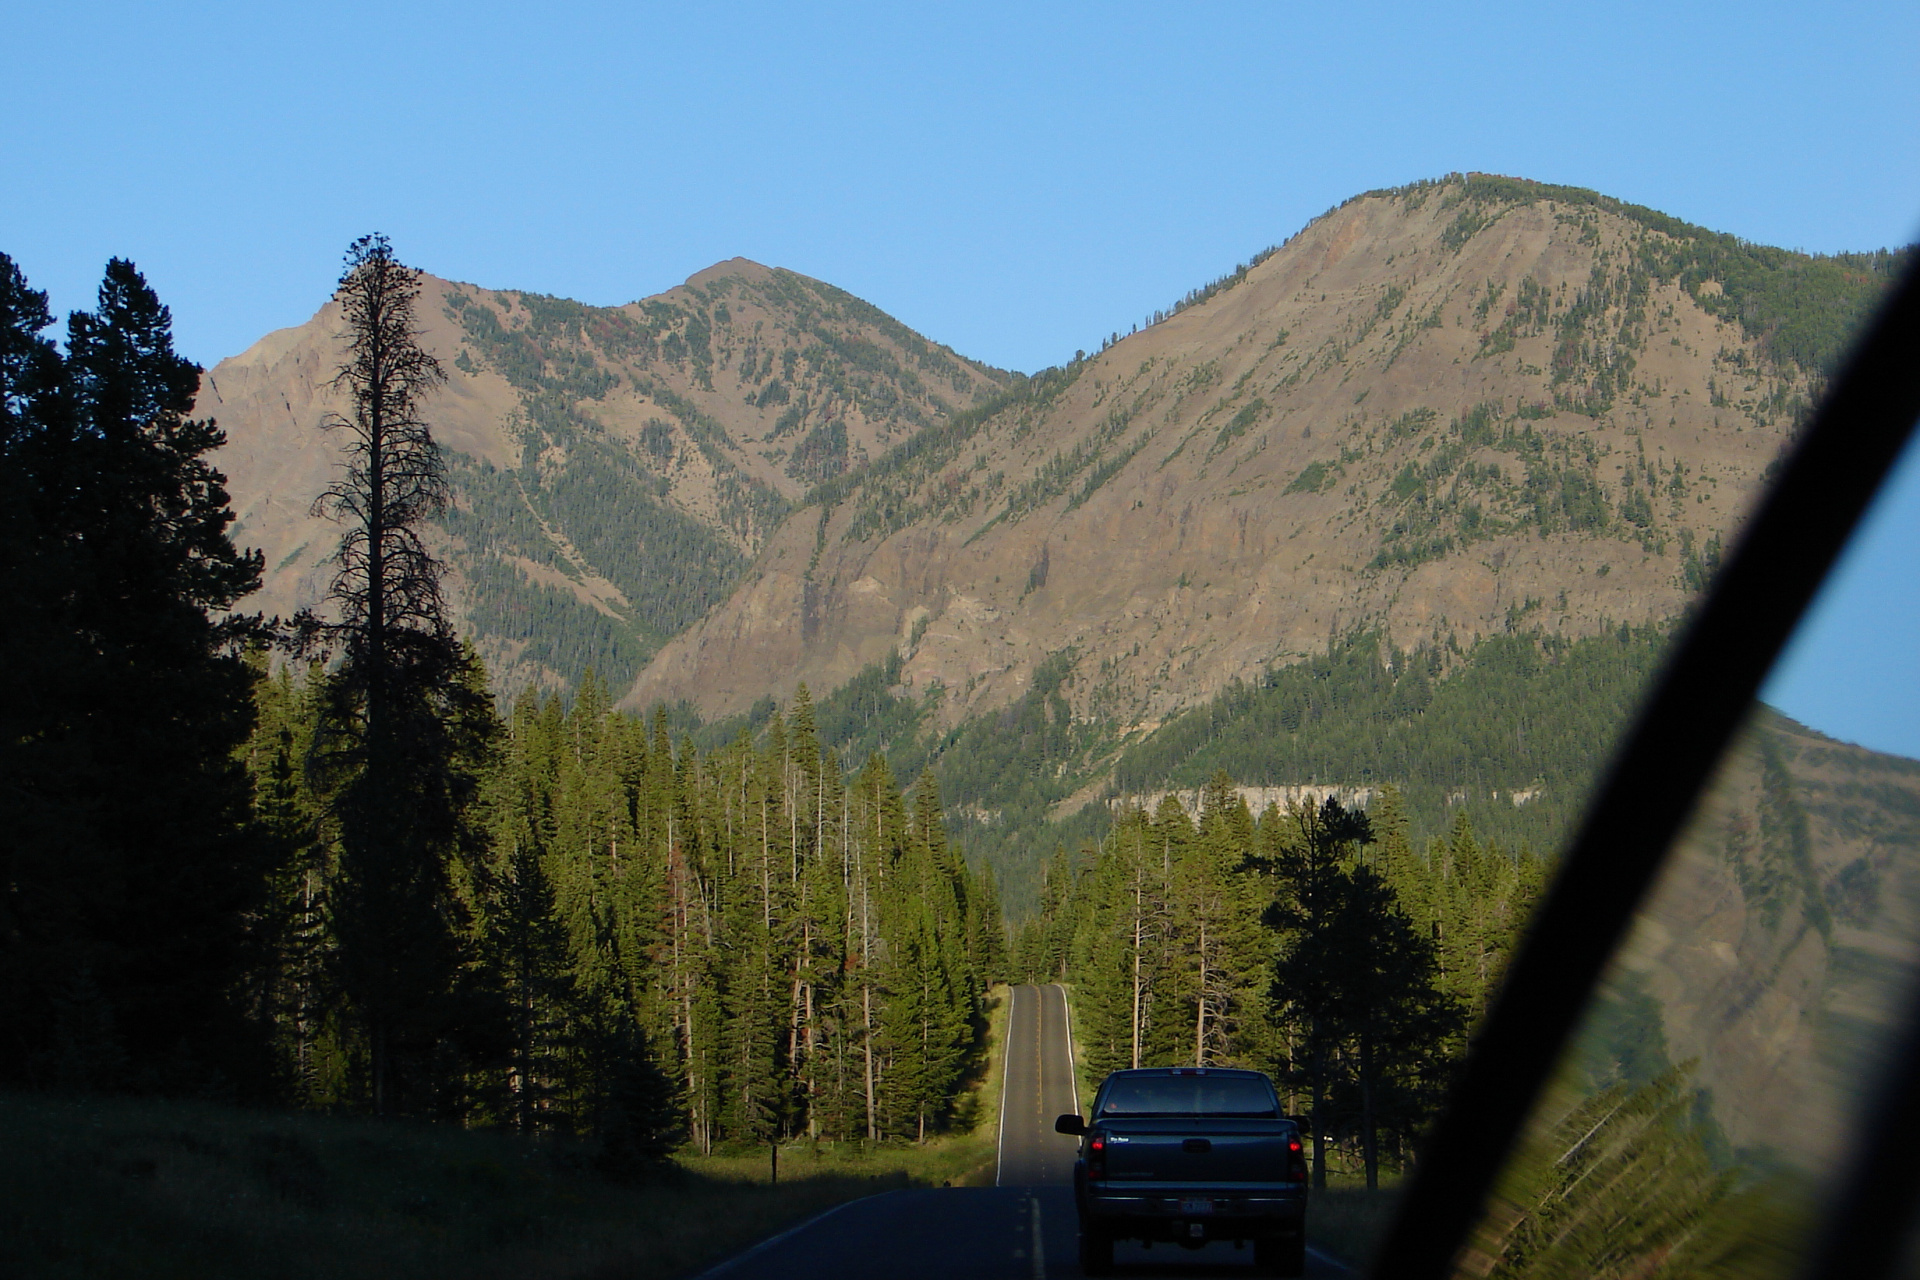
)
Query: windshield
[{"x": 1189, "y": 1096}]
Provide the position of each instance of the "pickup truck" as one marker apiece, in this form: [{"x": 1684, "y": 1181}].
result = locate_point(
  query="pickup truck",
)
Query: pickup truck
[{"x": 1184, "y": 1155}]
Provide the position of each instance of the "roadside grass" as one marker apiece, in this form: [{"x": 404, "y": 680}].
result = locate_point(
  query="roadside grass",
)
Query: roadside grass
[
  {"x": 1083, "y": 1075},
  {"x": 109, "y": 1187},
  {"x": 943, "y": 1160},
  {"x": 136, "y": 1187},
  {"x": 984, "y": 1095}
]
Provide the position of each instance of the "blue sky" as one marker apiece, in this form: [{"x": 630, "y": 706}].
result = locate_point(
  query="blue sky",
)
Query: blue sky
[
  {"x": 1853, "y": 669},
  {"x": 1014, "y": 180}
]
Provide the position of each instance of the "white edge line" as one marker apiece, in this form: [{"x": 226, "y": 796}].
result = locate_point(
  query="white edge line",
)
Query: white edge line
[
  {"x": 1329, "y": 1259},
  {"x": 771, "y": 1241},
  {"x": 1006, "y": 1069},
  {"x": 1073, "y": 1073}
]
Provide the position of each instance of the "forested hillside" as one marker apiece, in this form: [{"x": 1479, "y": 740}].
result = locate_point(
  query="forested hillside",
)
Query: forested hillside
[
  {"x": 1509, "y": 733},
  {"x": 740, "y": 943}
]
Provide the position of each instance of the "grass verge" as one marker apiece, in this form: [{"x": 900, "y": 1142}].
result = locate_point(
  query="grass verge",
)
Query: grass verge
[
  {"x": 1088, "y": 1082},
  {"x": 987, "y": 1091},
  {"x": 123, "y": 1187},
  {"x": 107, "y": 1186}
]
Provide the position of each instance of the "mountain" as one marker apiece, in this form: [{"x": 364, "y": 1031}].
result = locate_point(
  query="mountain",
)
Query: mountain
[
  {"x": 1778, "y": 947},
  {"x": 615, "y": 468},
  {"x": 1445, "y": 411},
  {"x": 1413, "y": 497}
]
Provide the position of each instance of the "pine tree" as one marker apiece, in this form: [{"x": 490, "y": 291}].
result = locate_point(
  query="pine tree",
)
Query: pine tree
[
  {"x": 289, "y": 961},
  {"x": 1219, "y": 923},
  {"x": 131, "y": 869},
  {"x": 936, "y": 978},
  {"x": 406, "y": 728},
  {"x": 636, "y": 1118},
  {"x": 1167, "y": 1032},
  {"x": 987, "y": 929},
  {"x": 1357, "y": 980},
  {"x": 1146, "y": 926},
  {"x": 1098, "y": 964},
  {"x": 523, "y": 941},
  {"x": 1304, "y": 854},
  {"x": 1395, "y": 1023},
  {"x": 47, "y": 859}
]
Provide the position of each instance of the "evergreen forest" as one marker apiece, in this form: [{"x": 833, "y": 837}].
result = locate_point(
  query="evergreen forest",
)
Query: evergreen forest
[
  {"x": 655, "y": 941},
  {"x": 313, "y": 865},
  {"x": 1314, "y": 942},
  {"x": 1508, "y": 731}
]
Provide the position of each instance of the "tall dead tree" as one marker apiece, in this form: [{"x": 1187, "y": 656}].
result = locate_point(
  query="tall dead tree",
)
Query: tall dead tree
[{"x": 404, "y": 723}]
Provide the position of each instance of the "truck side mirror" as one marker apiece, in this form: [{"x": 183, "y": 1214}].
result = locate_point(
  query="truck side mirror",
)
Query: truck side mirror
[{"x": 1070, "y": 1123}]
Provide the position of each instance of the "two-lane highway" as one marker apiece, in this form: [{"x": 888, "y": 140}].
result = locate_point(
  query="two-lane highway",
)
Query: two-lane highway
[
  {"x": 1022, "y": 1228},
  {"x": 1039, "y": 1086}
]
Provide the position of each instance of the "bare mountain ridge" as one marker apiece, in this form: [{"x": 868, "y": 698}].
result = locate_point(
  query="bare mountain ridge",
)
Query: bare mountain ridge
[
  {"x": 615, "y": 468},
  {"x": 1447, "y": 410}
]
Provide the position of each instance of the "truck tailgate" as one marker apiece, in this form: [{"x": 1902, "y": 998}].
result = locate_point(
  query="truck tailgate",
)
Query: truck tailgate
[{"x": 1200, "y": 1152}]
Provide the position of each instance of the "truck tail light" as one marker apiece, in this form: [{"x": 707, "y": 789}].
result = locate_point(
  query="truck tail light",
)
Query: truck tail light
[
  {"x": 1097, "y": 1156},
  {"x": 1296, "y": 1161}
]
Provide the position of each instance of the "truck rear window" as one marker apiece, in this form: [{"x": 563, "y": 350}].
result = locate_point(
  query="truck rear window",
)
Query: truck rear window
[{"x": 1193, "y": 1095}]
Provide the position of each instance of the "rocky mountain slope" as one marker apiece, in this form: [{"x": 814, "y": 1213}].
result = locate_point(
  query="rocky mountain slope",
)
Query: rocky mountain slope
[
  {"x": 1780, "y": 943},
  {"x": 615, "y": 467},
  {"x": 1447, "y": 411},
  {"x": 1419, "y": 450}
]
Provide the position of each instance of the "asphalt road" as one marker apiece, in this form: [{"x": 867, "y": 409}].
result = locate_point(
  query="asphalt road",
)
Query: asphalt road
[
  {"x": 1020, "y": 1229},
  {"x": 1039, "y": 1087}
]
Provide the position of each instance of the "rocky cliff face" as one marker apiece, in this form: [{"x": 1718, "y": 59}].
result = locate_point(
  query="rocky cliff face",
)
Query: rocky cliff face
[
  {"x": 615, "y": 468},
  {"x": 1447, "y": 410}
]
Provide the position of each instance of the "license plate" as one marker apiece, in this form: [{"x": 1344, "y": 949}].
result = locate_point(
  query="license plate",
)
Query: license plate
[{"x": 1196, "y": 1206}]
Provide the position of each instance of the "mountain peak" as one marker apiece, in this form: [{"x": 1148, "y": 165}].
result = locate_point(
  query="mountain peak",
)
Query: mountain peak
[
  {"x": 614, "y": 468},
  {"x": 740, "y": 268},
  {"x": 1443, "y": 412}
]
